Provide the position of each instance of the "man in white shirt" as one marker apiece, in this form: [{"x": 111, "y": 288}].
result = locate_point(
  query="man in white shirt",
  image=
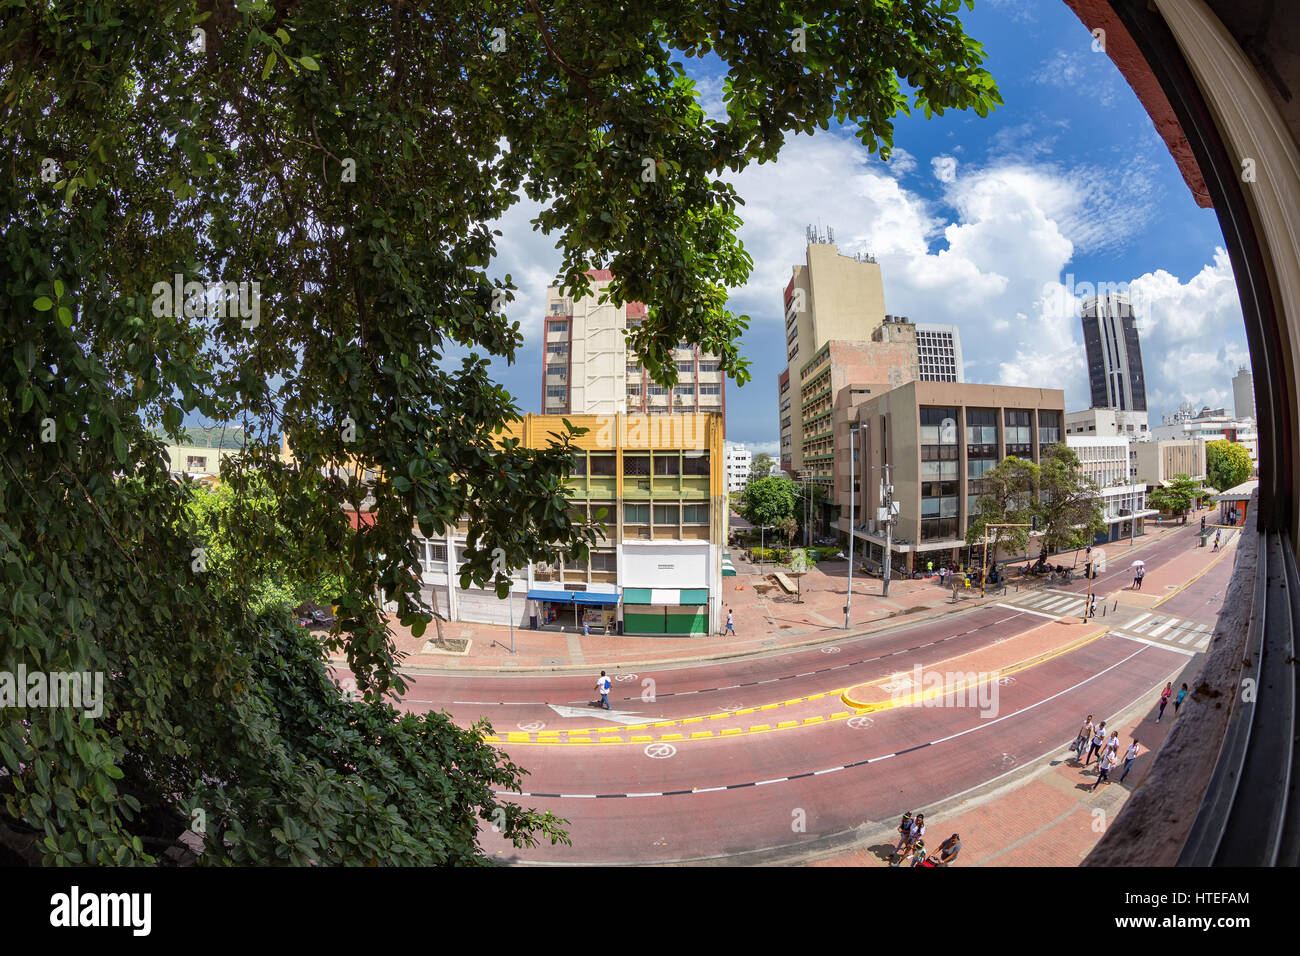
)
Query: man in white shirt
[{"x": 602, "y": 688}]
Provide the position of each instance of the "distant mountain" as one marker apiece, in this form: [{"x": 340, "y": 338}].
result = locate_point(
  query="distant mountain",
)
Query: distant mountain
[{"x": 211, "y": 436}]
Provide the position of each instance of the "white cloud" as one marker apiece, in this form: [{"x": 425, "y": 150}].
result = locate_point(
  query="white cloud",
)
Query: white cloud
[
  {"x": 1080, "y": 69},
  {"x": 945, "y": 168},
  {"x": 901, "y": 162}
]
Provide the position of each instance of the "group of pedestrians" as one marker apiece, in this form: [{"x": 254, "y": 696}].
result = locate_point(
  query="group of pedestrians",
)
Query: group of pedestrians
[
  {"x": 911, "y": 849},
  {"x": 1164, "y": 700},
  {"x": 1094, "y": 741}
]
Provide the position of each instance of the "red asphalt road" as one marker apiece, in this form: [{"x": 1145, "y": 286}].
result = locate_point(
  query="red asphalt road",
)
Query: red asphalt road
[
  {"x": 912, "y": 764},
  {"x": 510, "y": 700},
  {"x": 1202, "y": 601}
]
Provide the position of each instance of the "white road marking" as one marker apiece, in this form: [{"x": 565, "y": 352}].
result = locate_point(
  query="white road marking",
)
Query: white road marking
[
  {"x": 1025, "y": 610},
  {"x": 1138, "y": 620},
  {"x": 597, "y": 712},
  {"x": 1163, "y": 627},
  {"x": 1165, "y": 647}
]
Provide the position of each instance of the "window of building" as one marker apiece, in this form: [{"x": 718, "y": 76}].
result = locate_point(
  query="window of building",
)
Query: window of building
[
  {"x": 560, "y": 371},
  {"x": 695, "y": 463},
  {"x": 556, "y": 391},
  {"x": 636, "y": 465},
  {"x": 604, "y": 561},
  {"x": 669, "y": 464},
  {"x": 636, "y": 514},
  {"x": 601, "y": 464},
  {"x": 1049, "y": 428},
  {"x": 695, "y": 514},
  {"x": 708, "y": 366},
  {"x": 666, "y": 514},
  {"x": 710, "y": 389},
  {"x": 684, "y": 390},
  {"x": 196, "y": 463},
  {"x": 1018, "y": 438},
  {"x": 657, "y": 390},
  {"x": 559, "y": 327},
  {"x": 557, "y": 348},
  {"x": 686, "y": 366},
  {"x": 634, "y": 390},
  {"x": 579, "y": 465}
]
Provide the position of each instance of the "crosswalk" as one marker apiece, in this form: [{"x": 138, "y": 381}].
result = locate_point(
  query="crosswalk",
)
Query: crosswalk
[{"x": 1148, "y": 627}]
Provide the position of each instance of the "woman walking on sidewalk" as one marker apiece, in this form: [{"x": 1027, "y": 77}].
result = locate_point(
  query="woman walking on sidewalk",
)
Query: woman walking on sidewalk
[
  {"x": 1098, "y": 738},
  {"x": 1164, "y": 700},
  {"x": 1103, "y": 770},
  {"x": 1178, "y": 701}
]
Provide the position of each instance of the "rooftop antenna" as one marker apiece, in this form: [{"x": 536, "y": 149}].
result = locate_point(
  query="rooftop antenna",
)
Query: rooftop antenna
[{"x": 830, "y": 235}]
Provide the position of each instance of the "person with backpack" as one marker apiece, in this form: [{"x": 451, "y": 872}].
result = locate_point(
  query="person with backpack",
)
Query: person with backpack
[
  {"x": 1164, "y": 699},
  {"x": 602, "y": 688},
  {"x": 1081, "y": 741},
  {"x": 1098, "y": 738},
  {"x": 1178, "y": 701}
]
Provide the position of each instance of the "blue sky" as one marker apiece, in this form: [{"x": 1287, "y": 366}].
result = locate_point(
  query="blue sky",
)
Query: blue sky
[{"x": 973, "y": 221}]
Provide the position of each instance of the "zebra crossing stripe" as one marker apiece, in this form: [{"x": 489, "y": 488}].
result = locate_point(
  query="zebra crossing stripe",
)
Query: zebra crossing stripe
[
  {"x": 1138, "y": 620},
  {"x": 1166, "y": 647},
  {"x": 1191, "y": 636},
  {"x": 1202, "y": 644},
  {"x": 1163, "y": 627}
]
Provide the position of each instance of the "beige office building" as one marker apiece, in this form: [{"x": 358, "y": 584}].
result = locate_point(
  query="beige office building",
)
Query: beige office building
[
  {"x": 938, "y": 439},
  {"x": 832, "y": 297},
  {"x": 587, "y": 369},
  {"x": 1163, "y": 460}
]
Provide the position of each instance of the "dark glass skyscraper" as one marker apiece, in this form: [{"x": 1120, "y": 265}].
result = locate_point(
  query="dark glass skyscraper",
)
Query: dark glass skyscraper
[{"x": 1114, "y": 356}]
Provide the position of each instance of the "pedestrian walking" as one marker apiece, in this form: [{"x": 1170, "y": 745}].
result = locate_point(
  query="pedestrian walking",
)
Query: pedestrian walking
[
  {"x": 1129, "y": 757},
  {"x": 602, "y": 688},
  {"x": 1137, "y": 578},
  {"x": 1092, "y": 605},
  {"x": 904, "y": 832},
  {"x": 1164, "y": 700},
  {"x": 1178, "y": 701},
  {"x": 1098, "y": 738},
  {"x": 1081, "y": 742},
  {"x": 1217, "y": 536},
  {"x": 586, "y": 629},
  {"x": 1112, "y": 747},
  {"x": 948, "y": 851},
  {"x": 1103, "y": 769},
  {"x": 929, "y": 568},
  {"x": 731, "y": 625},
  {"x": 914, "y": 855}
]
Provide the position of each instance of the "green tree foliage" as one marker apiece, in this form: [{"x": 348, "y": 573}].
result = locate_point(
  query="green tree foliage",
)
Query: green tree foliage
[
  {"x": 266, "y": 575},
  {"x": 1227, "y": 464},
  {"x": 350, "y": 162},
  {"x": 1069, "y": 508},
  {"x": 768, "y": 501},
  {"x": 762, "y": 466},
  {"x": 1181, "y": 494},
  {"x": 1007, "y": 498}
]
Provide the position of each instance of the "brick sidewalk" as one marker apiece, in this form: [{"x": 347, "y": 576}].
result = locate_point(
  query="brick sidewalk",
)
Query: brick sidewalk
[{"x": 766, "y": 619}]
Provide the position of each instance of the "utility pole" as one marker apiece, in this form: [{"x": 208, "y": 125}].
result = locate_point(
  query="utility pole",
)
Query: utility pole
[
  {"x": 888, "y": 498},
  {"x": 848, "y": 599}
]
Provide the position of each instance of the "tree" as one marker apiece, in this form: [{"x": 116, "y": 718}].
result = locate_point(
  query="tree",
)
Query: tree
[
  {"x": 1007, "y": 498},
  {"x": 762, "y": 466},
  {"x": 271, "y": 214},
  {"x": 1176, "y": 499},
  {"x": 809, "y": 498},
  {"x": 768, "y": 501},
  {"x": 1069, "y": 509},
  {"x": 1227, "y": 464}
]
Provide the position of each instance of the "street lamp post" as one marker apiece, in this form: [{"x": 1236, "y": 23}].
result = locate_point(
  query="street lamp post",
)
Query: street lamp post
[{"x": 848, "y": 598}]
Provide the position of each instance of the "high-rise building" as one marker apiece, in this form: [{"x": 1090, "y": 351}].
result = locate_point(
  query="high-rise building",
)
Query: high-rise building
[
  {"x": 830, "y": 297},
  {"x": 737, "y": 459},
  {"x": 1243, "y": 393},
  {"x": 1114, "y": 357},
  {"x": 938, "y": 353},
  {"x": 587, "y": 369}
]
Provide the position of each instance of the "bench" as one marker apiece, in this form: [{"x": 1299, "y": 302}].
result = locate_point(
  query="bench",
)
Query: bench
[{"x": 786, "y": 584}]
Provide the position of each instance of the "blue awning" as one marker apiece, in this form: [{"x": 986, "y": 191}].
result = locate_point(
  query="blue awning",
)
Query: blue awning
[{"x": 573, "y": 597}]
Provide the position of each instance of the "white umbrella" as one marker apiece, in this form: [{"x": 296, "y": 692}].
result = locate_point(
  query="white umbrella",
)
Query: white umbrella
[{"x": 1137, "y": 564}]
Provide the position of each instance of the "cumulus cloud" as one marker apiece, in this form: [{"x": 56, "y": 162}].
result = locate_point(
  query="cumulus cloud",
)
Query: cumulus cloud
[{"x": 945, "y": 168}]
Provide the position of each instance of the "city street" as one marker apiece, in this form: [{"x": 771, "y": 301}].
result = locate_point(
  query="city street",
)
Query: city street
[{"x": 798, "y": 749}]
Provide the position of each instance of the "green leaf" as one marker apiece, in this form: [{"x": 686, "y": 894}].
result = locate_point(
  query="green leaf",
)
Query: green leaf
[
  {"x": 308, "y": 63},
  {"x": 268, "y": 65},
  {"x": 119, "y": 447},
  {"x": 43, "y": 304},
  {"x": 58, "y": 288},
  {"x": 65, "y": 316}
]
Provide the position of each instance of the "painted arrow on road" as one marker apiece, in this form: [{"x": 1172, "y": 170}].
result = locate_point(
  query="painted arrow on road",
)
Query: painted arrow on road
[{"x": 598, "y": 712}]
